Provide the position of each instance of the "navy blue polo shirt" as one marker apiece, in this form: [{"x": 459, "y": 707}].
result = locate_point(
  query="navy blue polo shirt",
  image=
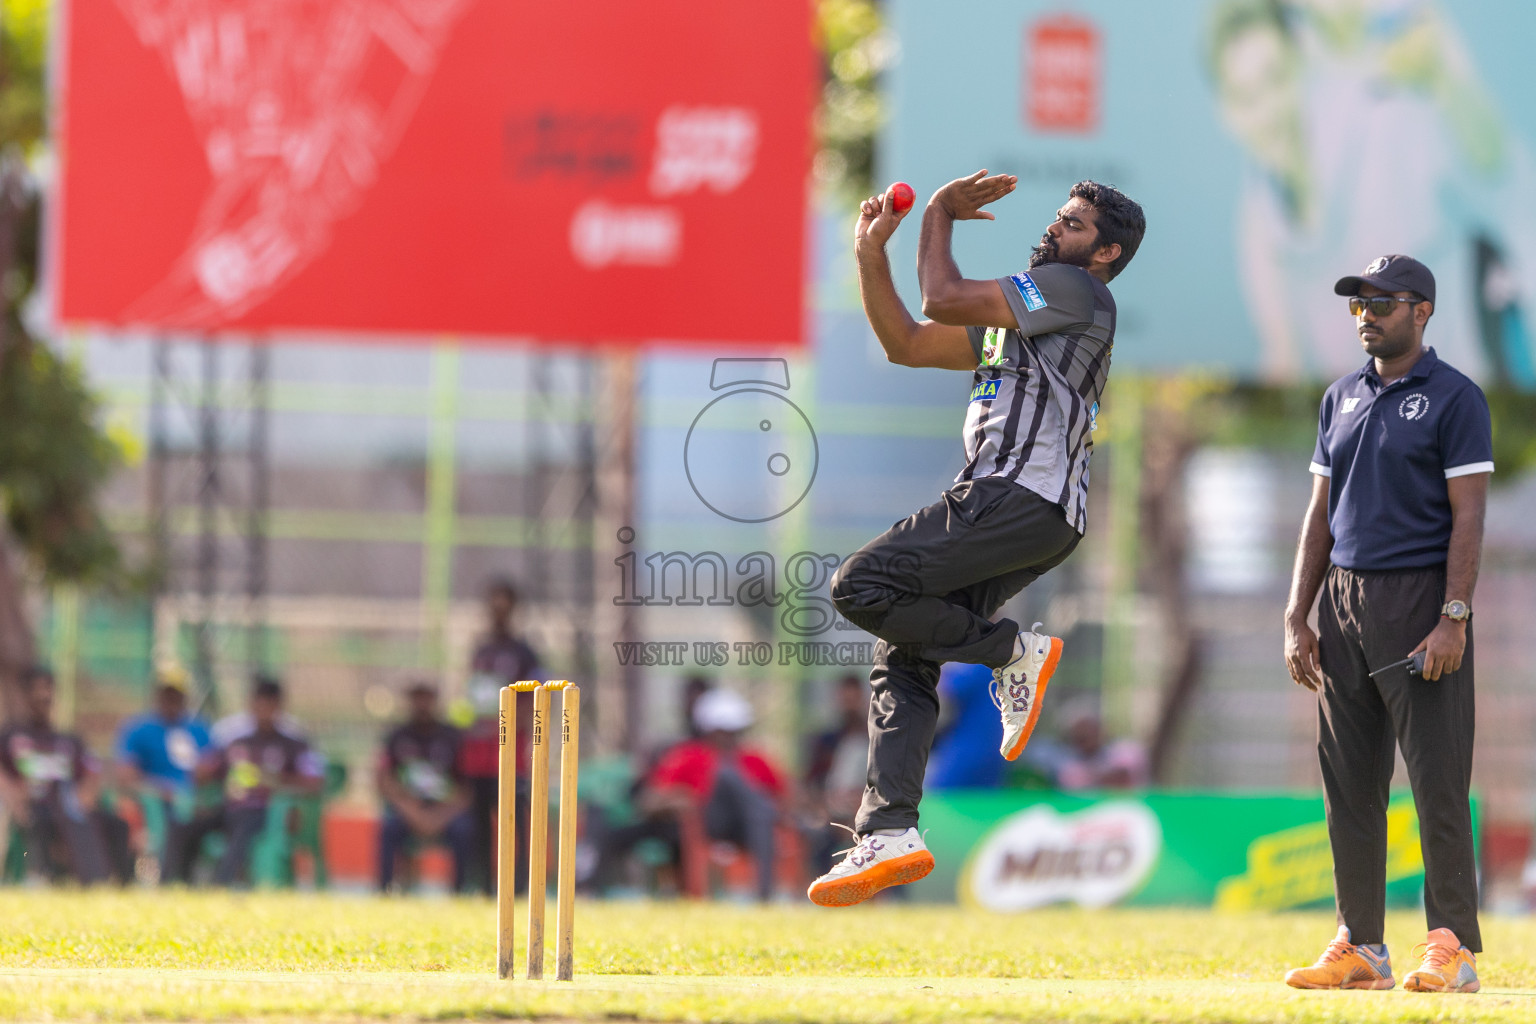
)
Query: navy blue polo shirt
[{"x": 1387, "y": 452}]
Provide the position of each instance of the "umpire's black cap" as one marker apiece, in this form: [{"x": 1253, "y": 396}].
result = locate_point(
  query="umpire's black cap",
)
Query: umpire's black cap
[{"x": 1394, "y": 273}]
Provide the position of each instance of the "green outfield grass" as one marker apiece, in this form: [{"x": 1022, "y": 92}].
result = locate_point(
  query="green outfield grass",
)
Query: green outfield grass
[{"x": 209, "y": 956}]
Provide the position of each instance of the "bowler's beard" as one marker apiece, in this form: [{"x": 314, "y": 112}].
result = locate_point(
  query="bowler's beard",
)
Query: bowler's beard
[{"x": 1049, "y": 251}]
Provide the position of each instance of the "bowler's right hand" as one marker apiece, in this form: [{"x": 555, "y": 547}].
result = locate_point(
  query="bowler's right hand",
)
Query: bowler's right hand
[
  {"x": 964, "y": 198},
  {"x": 1301, "y": 654},
  {"x": 878, "y": 220}
]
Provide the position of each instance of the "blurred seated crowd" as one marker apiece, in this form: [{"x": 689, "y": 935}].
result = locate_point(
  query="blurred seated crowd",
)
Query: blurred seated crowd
[{"x": 182, "y": 801}]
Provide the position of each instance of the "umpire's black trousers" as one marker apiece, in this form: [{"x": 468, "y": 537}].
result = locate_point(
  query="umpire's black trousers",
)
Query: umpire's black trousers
[
  {"x": 928, "y": 587},
  {"x": 1367, "y": 620}
]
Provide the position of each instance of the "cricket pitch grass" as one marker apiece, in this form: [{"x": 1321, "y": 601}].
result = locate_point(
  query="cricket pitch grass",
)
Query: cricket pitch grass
[{"x": 173, "y": 956}]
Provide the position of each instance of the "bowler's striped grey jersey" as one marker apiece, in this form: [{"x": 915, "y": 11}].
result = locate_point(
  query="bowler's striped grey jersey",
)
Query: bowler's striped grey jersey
[{"x": 1035, "y": 395}]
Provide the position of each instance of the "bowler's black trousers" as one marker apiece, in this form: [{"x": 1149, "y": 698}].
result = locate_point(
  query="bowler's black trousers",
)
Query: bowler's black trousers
[
  {"x": 1367, "y": 620},
  {"x": 928, "y": 587}
]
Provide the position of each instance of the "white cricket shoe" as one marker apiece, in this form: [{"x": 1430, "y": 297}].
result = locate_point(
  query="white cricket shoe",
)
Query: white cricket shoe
[
  {"x": 876, "y": 862},
  {"x": 1019, "y": 687}
]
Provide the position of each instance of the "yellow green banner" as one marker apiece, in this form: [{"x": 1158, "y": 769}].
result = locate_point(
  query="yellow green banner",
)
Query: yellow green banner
[{"x": 1014, "y": 850}]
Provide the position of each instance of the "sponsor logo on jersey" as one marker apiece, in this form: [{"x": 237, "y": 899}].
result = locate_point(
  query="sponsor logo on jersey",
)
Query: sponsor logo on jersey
[
  {"x": 992, "y": 347},
  {"x": 1093, "y": 417},
  {"x": 985, "y": 390},
  {"x": 1030, "y": 291},
  {"x": 1349, "y": 405}
]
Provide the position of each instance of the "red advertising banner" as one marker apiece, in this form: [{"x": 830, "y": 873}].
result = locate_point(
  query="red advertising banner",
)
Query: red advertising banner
[{"x": 614, "y": 171}]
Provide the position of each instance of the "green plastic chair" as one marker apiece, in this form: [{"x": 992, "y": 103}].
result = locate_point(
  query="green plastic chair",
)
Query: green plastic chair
[
  {"x": 14, "y": 870},
  {"x": 156, "y": 824},
  {"x": 158, "y": 817},
  {"x": 604, "y": 786},
  {"x": 272, "y": 854}
]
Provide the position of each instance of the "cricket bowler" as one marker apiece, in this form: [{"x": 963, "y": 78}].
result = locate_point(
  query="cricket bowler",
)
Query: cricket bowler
[{"x": 1037, "y": 345}]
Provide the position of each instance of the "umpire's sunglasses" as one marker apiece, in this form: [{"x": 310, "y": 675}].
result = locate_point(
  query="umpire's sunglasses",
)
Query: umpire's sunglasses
[{"x": 1379, "y": 305}]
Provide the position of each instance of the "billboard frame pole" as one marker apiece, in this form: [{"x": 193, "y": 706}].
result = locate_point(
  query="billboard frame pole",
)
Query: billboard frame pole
[
  {"x": 1118, "y": 684},
  {"x": 259, "y": 463},
  {"x": 209, "y": 491},
  {"x": 441, "y": 507}
]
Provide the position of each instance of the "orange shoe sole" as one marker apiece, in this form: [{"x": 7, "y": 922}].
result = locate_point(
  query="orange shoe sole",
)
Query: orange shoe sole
[
  {"x": 1372, "y": 984},
  {"x": 1415, "y": 985},
  {"x": 1046, "y": 671},
  {"x": 845, "y": 892}
]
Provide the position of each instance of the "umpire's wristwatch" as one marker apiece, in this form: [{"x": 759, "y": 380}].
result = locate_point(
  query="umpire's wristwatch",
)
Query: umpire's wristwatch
[{"x": 1456, "y": 611}]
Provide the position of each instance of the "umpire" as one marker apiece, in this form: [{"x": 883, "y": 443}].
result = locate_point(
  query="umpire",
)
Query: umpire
[{"x": 1392, "y": 537}]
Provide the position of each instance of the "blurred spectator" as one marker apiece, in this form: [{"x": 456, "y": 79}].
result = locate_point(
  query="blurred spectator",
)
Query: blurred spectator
[
  {"x": 50, "y": 782},
  {"x": 231, "y": 727},
  {"x": 734, "y": 790},
  {"x": 965, "y": 754},
  {"x": 254, "y": 767},
  {"x": 423, "y": 788},
  {"x": 500, "y": 658},
  {"x": 836, "y": 765},
  {"x": 637, "y": 812},
  {"x": 157, "y": 753},
  {"x": 1085, "y": 760},
  {"x": 694, "y": 687}
]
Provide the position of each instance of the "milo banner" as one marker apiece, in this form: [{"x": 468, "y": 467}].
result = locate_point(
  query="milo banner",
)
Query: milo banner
[{"x": 1011, "y": 851}]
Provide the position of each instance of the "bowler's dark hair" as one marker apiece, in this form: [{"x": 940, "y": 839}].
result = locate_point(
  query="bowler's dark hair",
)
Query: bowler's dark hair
[{"x": 1120, "y": 220}]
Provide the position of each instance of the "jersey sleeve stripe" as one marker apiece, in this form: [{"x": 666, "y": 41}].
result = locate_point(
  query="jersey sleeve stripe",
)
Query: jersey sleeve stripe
[
  {"x": 1318, "y": 469},
  {"x": 1468, "y": 469}
]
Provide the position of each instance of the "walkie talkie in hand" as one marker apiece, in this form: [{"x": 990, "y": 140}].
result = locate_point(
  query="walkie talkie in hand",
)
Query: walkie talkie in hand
[{"x": 1415, "y": 663}]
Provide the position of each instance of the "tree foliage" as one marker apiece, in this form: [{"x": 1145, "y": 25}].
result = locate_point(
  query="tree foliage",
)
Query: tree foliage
[
  {"x": 23, "y": 84},
  {"x": 54, "y": 458},
  {"x": 856, "y": 47},
  {"x": 1284, "y": 418},
  {"x": 53, "y": 462},
  {"x": 1514, "y": 433}
]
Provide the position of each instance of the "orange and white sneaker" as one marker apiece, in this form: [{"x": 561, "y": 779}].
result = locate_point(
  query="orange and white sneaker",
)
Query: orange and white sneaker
[
  {"x": 1447, "y": 965},
  {"x": 1019, "y": 687},
  {"x": 1346, "y": 965},
  {"x": 876, "y": 862}
]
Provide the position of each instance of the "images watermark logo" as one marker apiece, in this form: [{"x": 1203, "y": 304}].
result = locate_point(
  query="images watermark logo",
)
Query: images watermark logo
[
  {"x": 798, "y": 593},
  {"x": 751, "y": 454}
]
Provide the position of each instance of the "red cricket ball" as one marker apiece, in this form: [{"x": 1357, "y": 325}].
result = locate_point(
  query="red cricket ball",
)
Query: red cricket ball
[{"x": 902, "y": 196}]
